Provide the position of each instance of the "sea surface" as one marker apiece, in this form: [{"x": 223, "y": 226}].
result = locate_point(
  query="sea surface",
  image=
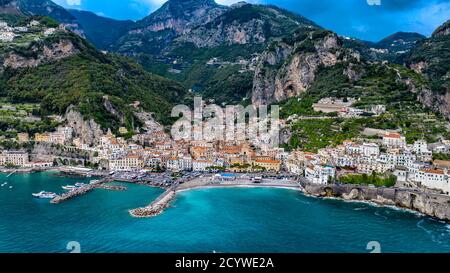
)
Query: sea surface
[{"x": 207, "y": 220}]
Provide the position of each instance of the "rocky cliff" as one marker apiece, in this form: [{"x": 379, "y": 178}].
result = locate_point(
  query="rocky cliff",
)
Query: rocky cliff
[
  {"x": 87, "y": 130},
  {"x": 245, "y": 24},
  {"x": 39, "y": 55},
  {"x": 180, "y": 16},
  {"x": 431, "y": 58},
  {"x": 158, "y": 30},
  {"x": 289, "y": 66},
  {"x": 433, "y": 205}
]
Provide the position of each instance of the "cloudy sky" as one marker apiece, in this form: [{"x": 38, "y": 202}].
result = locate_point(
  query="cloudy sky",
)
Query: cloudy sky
[{"x": 363, "y": 19}]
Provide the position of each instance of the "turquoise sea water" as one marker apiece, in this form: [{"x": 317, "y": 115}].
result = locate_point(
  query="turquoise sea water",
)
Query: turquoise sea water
[{"x": 220, "y": 220}]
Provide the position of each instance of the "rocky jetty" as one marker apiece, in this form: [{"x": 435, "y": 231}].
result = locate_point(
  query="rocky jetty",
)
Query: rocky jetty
[
  {"x": 72, "y": 194},
  {"x": 156, "y": 207},
  {"x": 113, "y": 187}
]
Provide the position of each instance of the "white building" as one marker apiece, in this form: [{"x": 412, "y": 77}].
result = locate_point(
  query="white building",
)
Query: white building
[
  {"x": 6, "y": 36},
  {"x": 172, "y": 164},
  {"x": 185, "y": 163},
  {"x": 49, "y": 31},
  {"x": 14, "y": 158},
  {"x": 370, "y": 150},
  {"x": 154, "y": 162},
  {"x": 127, "y": 163},
  {"x": 201, "y": 165},
  {"x": 420, "y": 146},
  {"x": 394, "y": 140},
  {"x": 319, "y": 174},
  {"x": 435, "y": 179}
]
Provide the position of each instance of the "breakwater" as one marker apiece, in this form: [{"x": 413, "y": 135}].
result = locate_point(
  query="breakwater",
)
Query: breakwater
[
  {"x": 80, "y": 191},
  {"x": 434, "y": 205},
  {"x": 156, "y": 207}
]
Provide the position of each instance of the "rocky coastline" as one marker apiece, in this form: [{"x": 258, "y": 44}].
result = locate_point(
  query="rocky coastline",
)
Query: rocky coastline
[{"x": 433, "y": 205}]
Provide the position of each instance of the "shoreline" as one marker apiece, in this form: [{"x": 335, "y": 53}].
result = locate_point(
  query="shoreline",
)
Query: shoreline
[
  {"x": 422, "y": 203},
  {"x": 298, "y": 189},
  {"x": 239, "y": 186},
  {"x": 379, "y": 201}
]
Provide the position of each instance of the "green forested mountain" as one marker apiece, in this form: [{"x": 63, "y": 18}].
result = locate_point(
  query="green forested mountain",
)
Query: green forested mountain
[
  {"x": 43, "y": 8},
  {"x": 431, "y": 58},
  {"x": 63, "y": 69},
  {"x": 214, "y": 57},
  {"x": 102, "y": 32},
  {"x": 238, "y": 54}
]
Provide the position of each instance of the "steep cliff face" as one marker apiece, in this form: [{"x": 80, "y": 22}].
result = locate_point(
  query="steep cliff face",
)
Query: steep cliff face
[
  {"x": 433, "y": 205},
  {"x": 87, "y": 130},
  {"x": 155, "y": 32},
  {"x": 180, "y": 16},
  {"x": 62, "y": 69},
  {"x": 37, "y": 56},
  {"x": 431, "y": 58},
  {"x": 289, "y": 67},
  {"x": 245, "y": 24}
]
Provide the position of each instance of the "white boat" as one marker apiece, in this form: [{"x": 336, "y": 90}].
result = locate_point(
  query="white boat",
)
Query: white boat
[
  {"x": 69, "y": 187},
  {"x": 93, "y": 181},
  {"x": 45, "y": 195},
  {"x": 80, "y": 184}
]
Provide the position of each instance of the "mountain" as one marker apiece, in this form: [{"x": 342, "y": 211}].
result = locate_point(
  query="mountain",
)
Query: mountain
[
  {"x": 181, "y": 15},
  {"x": 101, "y": 31},
  {"x": 153, "y": 33},
  {"x": 431, "y": 58},
  {"x": 215, "y": 55},
  {"x": 61, "y": 71},
  {"x": 245, "y": 24},
  {"x": 288, "y": 68},
  {"x": 43, "y": 8},
  {"x": 392, "y": 48},
  {"x": 400, "y": 42}
]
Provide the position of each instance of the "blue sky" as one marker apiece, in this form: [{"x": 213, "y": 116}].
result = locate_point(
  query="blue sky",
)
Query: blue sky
[{"x": 355, "y": 18}]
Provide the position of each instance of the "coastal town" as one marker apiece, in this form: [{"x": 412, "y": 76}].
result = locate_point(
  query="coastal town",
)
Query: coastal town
[{"x": 387, "y": 157}]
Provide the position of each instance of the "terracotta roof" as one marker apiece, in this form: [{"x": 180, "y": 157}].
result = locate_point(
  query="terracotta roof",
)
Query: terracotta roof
[
  {"x": 270, "y": 161},
  {"x": 392, "y": 135},
  {"x": 434, "y": 171},
  {"x": 442, "y": 163}
]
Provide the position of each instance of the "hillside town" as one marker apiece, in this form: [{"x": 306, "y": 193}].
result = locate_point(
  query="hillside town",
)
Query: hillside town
[
  {"x": 155, "y": 151},
  {"x": 10, "y": 33}
]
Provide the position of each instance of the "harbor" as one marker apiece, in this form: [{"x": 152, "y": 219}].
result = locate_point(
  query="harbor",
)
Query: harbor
[
  {"x": 220, "y": 205},
  {"x": 429, "y": 204},
  {"x": 80, "y": 190},
  {"x": 210, "y": 181}
]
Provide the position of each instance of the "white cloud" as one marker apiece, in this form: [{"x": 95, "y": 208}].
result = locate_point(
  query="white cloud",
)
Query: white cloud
[
  {"x": 68, "y": 2},
  {"x": 73, "y": 2}
]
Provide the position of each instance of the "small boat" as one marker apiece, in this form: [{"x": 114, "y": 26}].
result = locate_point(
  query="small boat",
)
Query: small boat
[
  {"x": 69, "y": 187},
  {"x": 44, "y": 195},
  {"x": 93, "y": 181},
  {"x": 80, "y": 184}
]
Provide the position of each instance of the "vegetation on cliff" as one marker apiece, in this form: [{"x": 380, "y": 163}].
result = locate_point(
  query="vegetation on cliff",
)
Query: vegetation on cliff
[{"x": 101, "y": 86}]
